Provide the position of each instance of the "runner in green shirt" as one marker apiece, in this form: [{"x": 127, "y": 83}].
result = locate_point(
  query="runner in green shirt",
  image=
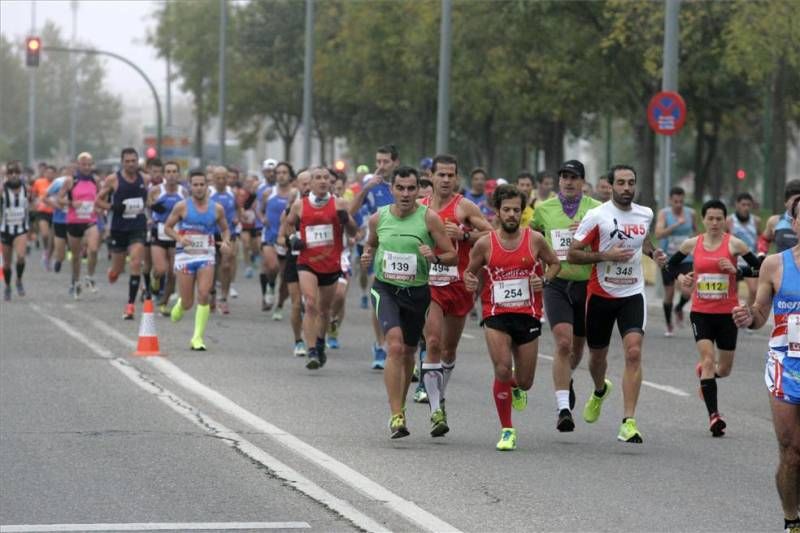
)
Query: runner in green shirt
[
  {"x": 565, "y": 297},
  {"x": 402, "y": 239}
]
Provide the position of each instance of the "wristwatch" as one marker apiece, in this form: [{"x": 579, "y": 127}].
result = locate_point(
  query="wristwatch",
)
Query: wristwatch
[{"x": 466, "y": 236}]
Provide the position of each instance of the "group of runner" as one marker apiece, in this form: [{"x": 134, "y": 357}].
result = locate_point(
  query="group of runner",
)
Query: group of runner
[{"x": 431, "y": 250}]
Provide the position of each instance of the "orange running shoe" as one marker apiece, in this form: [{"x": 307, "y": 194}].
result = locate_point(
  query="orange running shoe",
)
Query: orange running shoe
[
  {"x": 129, "y": 310},
  {"x": 112, "y": 276}
]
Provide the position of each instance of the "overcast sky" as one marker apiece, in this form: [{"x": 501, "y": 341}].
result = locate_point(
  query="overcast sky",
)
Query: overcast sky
[{"x": 118, "y": 26}]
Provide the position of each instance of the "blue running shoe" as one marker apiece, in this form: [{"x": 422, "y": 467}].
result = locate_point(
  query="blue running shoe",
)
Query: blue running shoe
[
  {"x": 378, "y": 357},
  {"x": 364, "y": 302}
]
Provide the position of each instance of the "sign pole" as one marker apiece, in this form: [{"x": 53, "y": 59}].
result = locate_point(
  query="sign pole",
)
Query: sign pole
[{"x": 669, "y": 82}]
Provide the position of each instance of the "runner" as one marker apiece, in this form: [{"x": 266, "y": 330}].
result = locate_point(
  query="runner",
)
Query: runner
[
  {"x": 507, "y": 258},
  {"x": 224, "y": 269},
  {"x": 674, "y": 225},
  {"x": 450, "y": 301},
  {"x": 545, "y": 183},
  {"x": 79, "y": 194},
  {"x": 251, "y": 235},
  {"x": 43, "y": 213},
  {"x": 401, "y": 239},
  {"x": 161, "y": 200},
  {"x": 128, "y": 222},
  {"x": 59, "y": 218},
  {"x": 617, "y": 232},
  {"x": 477, "y": 192},
  {"x": 779, "y": 292},
  {"x": 155, "y": 173},
  {"x": 714, "y": 295},
  {"x": 525, "y": 186},
  {"x": 268, "y": 172},
  {"x": 200, "y": 219},
  {"x": 744, "y": 225},
  {"x": 375, "y": 194},
  {"x": 322, "y": 221},
  {"x": 602, "y": 191},
  {"x": 565, "y": 298},
  {"x": 14, "y": 226},
  {"x": 274, "y": 201},
  {"x": 778, "y": 228}
]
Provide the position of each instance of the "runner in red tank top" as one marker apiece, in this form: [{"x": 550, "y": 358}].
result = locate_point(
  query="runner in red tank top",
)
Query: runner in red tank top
[
  {"x": 714, "y": 295},
  {"x": 506, "y": 260},
  {"x": 450, "y": 300},
  {"x": 321, "y": 219}
]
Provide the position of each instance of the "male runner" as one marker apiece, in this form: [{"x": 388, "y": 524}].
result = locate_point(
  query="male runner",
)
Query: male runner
[
  {"x": 274, "y": 201},
  {"x": 59, "y": 218},
  {"x": 44, "y": 212},
  {"x": 375, "y": 194},
  {"x": 161, "y": 200},
  {"x": 224, "y": 269},
  {"x": 545, "y": 183},
  {"x": 200, "y": 219},
  {"x": 617, "y": 233},
  {"x": 525, "y": 186},
  {"x": 714, "y": 295},
  {"x": 14, "y": 219},
  {"x": 128, "y": 192},
  {"x": 565, "y": 298},
  {"x": 674, "y": 225},
  {"x": 477, "y": 192},
  {"x": 603, "y": 191},
  {"x": 744, "y": 225},
  {"x": 155, "y": 172},
  {"x": 402, "y": 237},
  {"x": 450, "y": 301},
  {"x": 322, "y": 220},
  {"x": 507, "y": 257},
  {"x": 778, "y": 228},
  {"x": 79, "y": 196},
  {"x": 779, "y": 292}
]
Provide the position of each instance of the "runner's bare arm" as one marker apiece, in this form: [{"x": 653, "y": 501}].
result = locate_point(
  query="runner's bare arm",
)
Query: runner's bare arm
[
  {"x": 656, "y": 254},
  {"x": 222, "y": 223},
  {"x": 478, "y": 257},
  {"x": 372, "y": 242},
  {"x": 62, "y": 198},
  {"x": 177, "y": 214},
  {"x": 756, "y": 316},
  {"x": 109, "y": 186},
  {"x": 474, "y": 218},
  {"x": 542, "y": 250},
  {"x": 448, "y": 255}
]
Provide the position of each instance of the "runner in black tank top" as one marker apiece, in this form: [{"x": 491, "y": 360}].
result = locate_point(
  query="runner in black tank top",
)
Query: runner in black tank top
[{"x": 128, "y": 222}]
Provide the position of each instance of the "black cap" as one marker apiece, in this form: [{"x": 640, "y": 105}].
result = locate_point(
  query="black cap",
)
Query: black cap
[{"x": 573, "y": 166}]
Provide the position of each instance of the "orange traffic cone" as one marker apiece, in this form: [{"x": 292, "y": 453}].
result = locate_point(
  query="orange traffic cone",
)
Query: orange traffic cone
[{"x": 148, "y": 339}]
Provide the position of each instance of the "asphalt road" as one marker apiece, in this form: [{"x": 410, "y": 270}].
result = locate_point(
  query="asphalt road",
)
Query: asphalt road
[{"x": 244, "y": 434}]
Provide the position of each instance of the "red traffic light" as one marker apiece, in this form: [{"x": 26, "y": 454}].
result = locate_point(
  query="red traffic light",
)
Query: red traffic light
[
  {"x": 339, "y": 165},
  {"x": 741, "y": 174},
  {"x": 151, "y": 153},
  {"x": 33, "y": 45}
]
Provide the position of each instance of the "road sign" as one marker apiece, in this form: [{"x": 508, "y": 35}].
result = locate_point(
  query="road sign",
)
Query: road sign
[{"x": 666, "y": 113}]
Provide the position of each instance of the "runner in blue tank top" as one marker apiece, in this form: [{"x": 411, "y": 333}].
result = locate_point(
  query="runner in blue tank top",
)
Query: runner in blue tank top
[
  {"x": 274, "y": 201},
  {"x": 744, "y": 225},
  {"x": 674, "y": 225},
  {"x": 778, "y": 228},
  {"x": 779, "y": 292},
  {"x": 195, "y": 255},
  {"x": 223, "y": 195},
  {"x": 128, "y": 222},
  {"x": 477, "y": 192}
]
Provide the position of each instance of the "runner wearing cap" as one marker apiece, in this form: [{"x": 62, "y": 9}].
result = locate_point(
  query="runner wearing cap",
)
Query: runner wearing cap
[
  {"x": 617, "y": 234},
  {"x": 268, "y": 172},
  {"x": 565, "y": 297}
]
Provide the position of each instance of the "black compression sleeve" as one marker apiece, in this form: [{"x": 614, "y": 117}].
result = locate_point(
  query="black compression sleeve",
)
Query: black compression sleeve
[
  {"x": 676, "y": 259},
  {"x": 752, "y": 260}
]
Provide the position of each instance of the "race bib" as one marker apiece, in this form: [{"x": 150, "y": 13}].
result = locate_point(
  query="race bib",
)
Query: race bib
[
  {"x": 15, "y": 216},
  {"x": 319, "y": 235},
  {"x": 248, "y": 217},
  {"x": 440, "y": 275},
  {"x": 561, "y": 239},
  {"x": 162, "y": 236},
  {"x": 512, "y": 292},
  {"x": 199, "y": 244},
  {"x": 793, "y": 335},
  {"x": 84, "y": 210},
  {"x": 621, "y": 273},
  {"x": 712, "y": 286},
  {"x": 400, "y": 267},
  {"x": 133, "y": 207}
]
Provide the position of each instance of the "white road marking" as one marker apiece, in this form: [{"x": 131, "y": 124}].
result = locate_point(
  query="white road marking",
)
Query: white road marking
[
  {"x": 154, "y": 526},
  {"x": 467, "y": 336},
  {"x": 370, "y": 489},
  {"x": 233, "y": 439}
]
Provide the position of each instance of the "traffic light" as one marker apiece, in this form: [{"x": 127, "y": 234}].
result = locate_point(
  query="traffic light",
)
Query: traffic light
[
  {"x": 339, "y": 165},
  {"x": 33, "y": 45},
  {"x": 741, "y": 174},
  {"x": 151, "y": 153}
]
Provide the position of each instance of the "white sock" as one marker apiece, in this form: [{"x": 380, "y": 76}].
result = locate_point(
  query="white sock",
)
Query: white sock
[
  {"x": 432, "y": 378},
  {"x": 562, "y": 399},
  {"x": 447, "y": 369}
]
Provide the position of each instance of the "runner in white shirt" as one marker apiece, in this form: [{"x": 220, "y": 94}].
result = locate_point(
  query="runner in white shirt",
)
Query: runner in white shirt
[{"x": 617, "y": 235}]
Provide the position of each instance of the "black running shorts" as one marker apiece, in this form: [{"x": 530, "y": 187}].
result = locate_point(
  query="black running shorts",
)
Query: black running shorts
[
  {"x": 77, "y": 230},
  {"x": 323, "y": 279},
  {"x": 401, "y": 307},
  {"x": 565, "y": 301},
  {"x": 290, "y": 269},
  {"x": 520, "y": 327},
  {"x": 630, "y": 314},
  {"x": 60, "y": 230},
  {"x": 121, "y": 240},
  {"x": 718, "y": 328}
]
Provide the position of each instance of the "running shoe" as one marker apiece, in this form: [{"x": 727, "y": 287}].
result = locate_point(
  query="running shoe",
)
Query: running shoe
[
  {"x": 591, "y": 411},
  {"x": 415, "y": 374},
  {"x": 571, "y": 396},
  {"x": 163, "y": 310},
  {"x": 716, "y": 425},
  {"x": 129, "y": 311},
  {"x": 669, "y": 332},
  {"x": 508, "y": 440},
  {"x": 397, "y": 426},
  {"x": 177, "y": 311},
  {"x": 378, "y": 357},
  {"x": 565, "y": 422},
  {"x": 76, "y": 290},
  {"x": 519, "y": 399},
  {"x": 57, "y": 267},
  {"x": 323, "y": 358},
  {"x": 364, "y": 302},
  {"x": 300, "y": 349},
  {"x": 277, "y": 314},
  {"x": 197, "y": 345},
  {"x": 155, "y": 284},
  {"x": 679, "y": 317},
  {"x": 792, "y": 529},
  {"x": 223, "y": 307},
  {"x": 90, "y": 284},
  {"x": 20, "y": 289},
  {"x": 420, "y": 396},
  {"x": 269, "y": 298},
  {"x": 112, "y": 276},
  {"x": 628, "y": 432},
  {"x": 7, "y": 293},
  {"x": 333, "y": 343},
  {"x": 248, "y": 272},
  {"x": 439, "y": 423},
  {"x": 233, "y": 292},
  {"x": 313, "y": 361}
]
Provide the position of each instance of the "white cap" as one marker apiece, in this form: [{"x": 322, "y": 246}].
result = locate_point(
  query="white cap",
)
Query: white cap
[
  {"x": 269, "y": 164},
  {"x": 367, "y": 177},
  {"x": 501, "y": 181}
]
